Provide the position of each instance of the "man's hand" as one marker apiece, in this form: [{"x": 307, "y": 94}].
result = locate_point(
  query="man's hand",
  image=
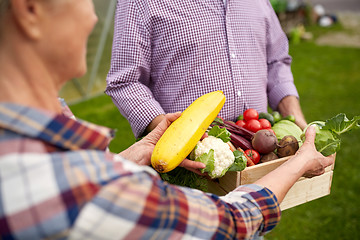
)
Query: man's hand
[
  {"x": 141, "y": 151},
  {"x": 193, "y": 166},
  {"x": 154, "y": 123}
]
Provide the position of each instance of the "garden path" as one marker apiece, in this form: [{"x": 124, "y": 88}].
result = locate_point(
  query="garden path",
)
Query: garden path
[{"x": 350, "y": 37}]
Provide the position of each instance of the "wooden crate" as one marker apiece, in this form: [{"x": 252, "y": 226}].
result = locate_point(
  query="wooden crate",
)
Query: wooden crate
[{"x": 304, "y": 190}]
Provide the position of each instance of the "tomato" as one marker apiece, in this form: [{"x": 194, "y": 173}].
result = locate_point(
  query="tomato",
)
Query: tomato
[
  {"x": 265, "y": 124},
  {"x": 253, "y": 155},
  {"x": 220, "y": 118},
  {"x": 240, "y": 123},
  {"x": 250, "y": 114},
  {"x": 270, "y": 129},
  {"x": 253, "y": 125},
  {"x": 249, "y": 161}
]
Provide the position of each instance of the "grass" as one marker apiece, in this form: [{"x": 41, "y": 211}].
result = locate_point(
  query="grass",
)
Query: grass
[
  {"x": 328, "y": 81},
  {"x": 101, "y": 110}
]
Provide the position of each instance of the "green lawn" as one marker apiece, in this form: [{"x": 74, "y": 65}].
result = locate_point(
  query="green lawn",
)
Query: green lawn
[
  {"x": 328, "y": 81},
  {"x": 101, "y": 110}
]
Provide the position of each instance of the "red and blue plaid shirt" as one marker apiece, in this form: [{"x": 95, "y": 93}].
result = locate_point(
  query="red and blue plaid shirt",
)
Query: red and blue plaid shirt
[
  {"x": 57, "y": 182},
  {"x": 168, "y": 53}
]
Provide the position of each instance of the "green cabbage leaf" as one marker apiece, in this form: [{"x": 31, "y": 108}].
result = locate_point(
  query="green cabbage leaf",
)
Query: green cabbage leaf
[
  {"x": 209, "y": 160},
  {"x": 327, "y": 140},
  {"x": 221, "y": 133},
  {"x": 285, "y": 127},
  {"x": 240, "y": 161}
]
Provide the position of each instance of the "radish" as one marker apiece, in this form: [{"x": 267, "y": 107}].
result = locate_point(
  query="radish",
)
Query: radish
[{"x": 264, "y": 141}]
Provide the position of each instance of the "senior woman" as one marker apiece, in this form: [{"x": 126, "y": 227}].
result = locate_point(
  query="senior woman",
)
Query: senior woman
[{"x": 56, "y": 180}]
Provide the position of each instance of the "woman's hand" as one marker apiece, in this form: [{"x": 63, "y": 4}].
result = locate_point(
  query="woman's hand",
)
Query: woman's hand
[
  {"x": 141, "y": 151},
  {"x": 306, "y": 162},
  {"x": 316, "y": 162}
]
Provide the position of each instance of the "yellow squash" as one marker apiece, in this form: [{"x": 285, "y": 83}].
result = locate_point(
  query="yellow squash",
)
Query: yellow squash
[{"x": 183, "y": 134}]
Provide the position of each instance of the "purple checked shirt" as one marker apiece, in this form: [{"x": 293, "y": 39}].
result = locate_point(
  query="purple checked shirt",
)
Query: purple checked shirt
[{"x": 168, "y": 53}]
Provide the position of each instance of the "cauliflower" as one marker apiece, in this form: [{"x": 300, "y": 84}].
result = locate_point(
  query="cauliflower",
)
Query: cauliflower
[{"x": 216, "y": 154}]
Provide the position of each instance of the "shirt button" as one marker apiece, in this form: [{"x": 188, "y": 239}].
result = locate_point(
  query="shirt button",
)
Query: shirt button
[
  {"x": 233, "y": 55},
  {"x": 239, "y": 93}
]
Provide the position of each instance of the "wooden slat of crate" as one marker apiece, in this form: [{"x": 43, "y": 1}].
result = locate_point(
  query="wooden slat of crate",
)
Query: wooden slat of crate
[
  {"x": 249, "y": 174},
  {"x": 214, "y": 187},
  {"x": 307, "y": 189},
  {"x": 304, "y": 190}
]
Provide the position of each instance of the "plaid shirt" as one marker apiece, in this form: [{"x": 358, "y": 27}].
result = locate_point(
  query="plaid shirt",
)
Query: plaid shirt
[
  {"x": 57, "y": 182},
  {"x": 168, "y": 53}
]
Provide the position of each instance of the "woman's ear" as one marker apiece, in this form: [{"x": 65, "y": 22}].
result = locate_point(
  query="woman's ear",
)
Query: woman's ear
[{"x": 28, "y": 15}]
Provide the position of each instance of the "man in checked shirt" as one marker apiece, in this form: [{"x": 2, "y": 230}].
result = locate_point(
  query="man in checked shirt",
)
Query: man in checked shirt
[
  {"x": 168, "y": 53},
  {"x": 58, "y": 182}
]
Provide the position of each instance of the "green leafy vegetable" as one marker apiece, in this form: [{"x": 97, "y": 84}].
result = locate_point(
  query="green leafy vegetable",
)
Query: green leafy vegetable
[
  {"x": 327, "y": 140},
  {"x": 285, "y": 127},
  {"x": 341, "y": 124},
  {"x": 221, "y": 133},
  {"x": 218, "y": 121},
  {"x": 240, "y": 161},
  {"x": 208, "y": 159},
  {"x": 182, "y": 177}
]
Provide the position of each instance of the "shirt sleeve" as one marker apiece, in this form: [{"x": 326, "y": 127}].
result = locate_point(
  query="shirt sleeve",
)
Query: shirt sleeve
[
  {"x": 139, "y": 205},
  {"x": 129, "y": 74},
  {"x": 280, "y": 78}
]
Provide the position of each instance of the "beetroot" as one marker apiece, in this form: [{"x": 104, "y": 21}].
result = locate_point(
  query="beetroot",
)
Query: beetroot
[{"x": 264, "y": 141}]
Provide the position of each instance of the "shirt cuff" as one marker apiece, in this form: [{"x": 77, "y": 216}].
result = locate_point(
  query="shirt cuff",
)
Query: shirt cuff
[
  {"x": 280, "y": 91},
  {"x": 147, "y": 112}
]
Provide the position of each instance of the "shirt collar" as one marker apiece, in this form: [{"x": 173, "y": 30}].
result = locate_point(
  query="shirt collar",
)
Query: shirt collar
[{"x": 58, "y": 130}]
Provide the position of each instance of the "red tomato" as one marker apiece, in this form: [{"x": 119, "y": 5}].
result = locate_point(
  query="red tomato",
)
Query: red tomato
[
  {"x": 265, "y": 124},
  {"x": 253, "y": 155},
  {"x": 253, "y": 125},
  {"x": 271, "y": 131},
  {"x": 240, "y": 123},
  {"x": 250, "y": 114},
  {"x": 220, "y": 117}
]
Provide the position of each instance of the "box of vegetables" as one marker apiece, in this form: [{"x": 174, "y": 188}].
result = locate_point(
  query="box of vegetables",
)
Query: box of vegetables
[
  {"x": 241, "y": 152},
  {"x": 268, "y": 148}
]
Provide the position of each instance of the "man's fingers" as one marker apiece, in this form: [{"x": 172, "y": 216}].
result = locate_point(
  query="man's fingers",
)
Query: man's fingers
[
  {"x": 191, "y": 164},
  {"x": 173, "y": 116},
  {"x": 167, "y": 120}
]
